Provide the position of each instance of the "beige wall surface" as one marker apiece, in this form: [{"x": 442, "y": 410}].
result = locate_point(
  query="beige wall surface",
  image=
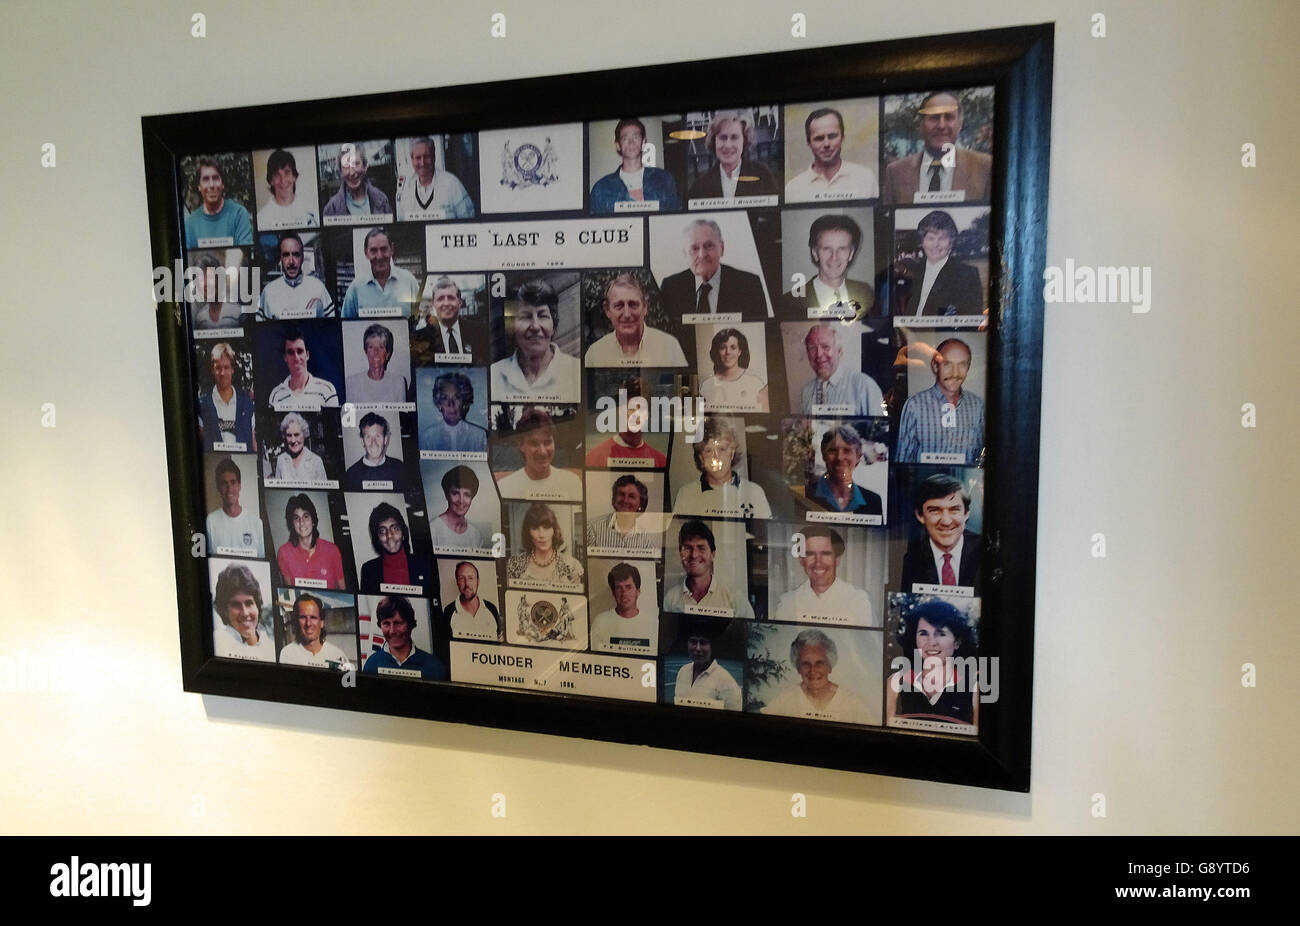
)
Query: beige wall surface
[{"x": 1139, "y": 655}]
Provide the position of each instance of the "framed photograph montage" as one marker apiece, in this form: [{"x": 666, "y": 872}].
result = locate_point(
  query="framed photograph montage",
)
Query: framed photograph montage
[{"x": 693, "y": 405}]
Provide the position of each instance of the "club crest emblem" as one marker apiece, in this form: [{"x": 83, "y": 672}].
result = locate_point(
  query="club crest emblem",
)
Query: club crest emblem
[{"x": 527, "y": 165}]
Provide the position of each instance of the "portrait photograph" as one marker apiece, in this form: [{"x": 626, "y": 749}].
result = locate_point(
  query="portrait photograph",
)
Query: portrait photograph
[
  {"x": 839, "y": 467},
  {"x": 832, "y": 251},
  {"x": 234, "y": 520},
  {"x": 703, "y": 662},
  {"x": 357, "y": 182},
  {"x": 415, "y": 641},
  {"x": 941, "y": 509},
  {"x": 624, "y": 604},
  {"x": 218, "y": 199},
  {"x": 937, "y": 680},
  {"x": 308, "y": 548},
  {"x": 471, "y": 601},
  {"x": 298, "y": 366},
  {"x": 219, "y": 292},
  {"x": 243, "y": 616},
  {"x": 451, "y": 324},
  {"x": 532, "y": 169},
  {"x": 537, "y": 452},
  {"x": 922, "y": 131},
  {"x": 942, "y": 419},
  {"x": 293, "y": 277},
  {"x": 387, "y": 265},
  {"x": 390, "y": 543},
  {"x": 825, "y": 574},
  {"x": 734, "y": 157},
  {"x": 463, "y": 507},
  {"x": 546, "y": 546},
  {"x": 731, "y": 367},
  {"x": 706, "y": 568},
  {"x": 832, "y": 150},
  {"x": 300, "y": 449},
  {"x": 317, "y": 629},
  {"x": 626, "y": 170},
  {"x": 941, "y": 266},
  {"x": 825, "y": 370},
  {"x": 452, "y": 403},
  {"x": 553, "y": 619},
  {"x": 536, "y": 338},
  {"x": 437, "y": 177},
  {"x": 712, "y": 476},
  {"x": 829, "y": 674},
  {"x": 719, "y": 249},
  {"x": 224, "y": 370},
  {"x": 625, "y": 513},
  {"x": 377, "y": 364},
  {"x": 380, "y": 451},
  {"x": 625, "y": 324},
  {"x": 287, "y": 195},
  {"x": 625, "y": 434}
]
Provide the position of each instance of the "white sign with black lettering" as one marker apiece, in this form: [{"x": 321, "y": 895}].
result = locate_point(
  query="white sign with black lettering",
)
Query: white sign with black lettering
[
  {"x": 556, "y": 244},
  {"x": 548, "y": 670}
]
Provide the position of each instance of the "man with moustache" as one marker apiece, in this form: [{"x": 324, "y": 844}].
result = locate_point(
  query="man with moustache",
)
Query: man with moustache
[
  {"x": 469, "y": 617},
  {"x": 703, "y": 681},
  {"x": 218, "y": 221},
  {"x": 709, "y": 286},
  {"x": 939, "y": 122},
  {"x": 388, "y": 286},
  {"x": 948, "y": 554},
  {"x": 300, "y": 388},
  {"x": 824, "y": 595},
  {"x": 539, "y": 479},
  {"x": 631, "y": 343},
  {"x": 357, "y": 195},
  {"x": 833, "y": 242},
  {"x": 940, "y": 284},
  {"x": 945, "y": 418},
  {"x": 226, "y": 413},
  {"x": 309, "y": 647},
  {"x": 625, "y": 628},
  {"x": 430, "y": 193},
  {"x": 233, "y": 527},
  {"x": 400, "y": 656},
  {"x": 375, "y": 466},
  {"x": 697, "y": 547},
  {"x": 294, "y": 294},
  {"x": 835, "y": 389},
  {"x": 618, "y": 530},
  {"x": 829, "y": 176}
]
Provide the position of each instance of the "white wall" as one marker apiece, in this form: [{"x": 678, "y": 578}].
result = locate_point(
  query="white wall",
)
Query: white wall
[{"x": 1138, "y": 692}]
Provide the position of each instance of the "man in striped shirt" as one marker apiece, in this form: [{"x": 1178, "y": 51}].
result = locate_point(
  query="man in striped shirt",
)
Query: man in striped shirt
[
  {"x": 618, "y": 530},
  {"x": 945, "y": 423},
  {"x": 301, "y": 390}
]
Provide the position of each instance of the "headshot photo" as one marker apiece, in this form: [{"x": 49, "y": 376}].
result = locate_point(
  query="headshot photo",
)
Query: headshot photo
[
  {"x": 452, "y": 320},
  {"x": 632, "y": 445},
  {"x": 294, "y": 288},
  {"x": 234, "y": 521},
  {"x": 943, "y": 547},
  {"x": 550, "y": 618},
  {"x": 301, "y": 451},
  {"x": 618, "y": 307},
  {"x": 738, "y": 162},
  {"x": 732, "y": 365},
  {"x": 537, "y": 333},
  {"x": 532, "y": 169},
  {"x": 463, "y": 507},
  {"x": 431, "y": 175},
  {"x": 835, "y": 578},
  {"x": 626, "y": 172},
  {"x": 836, "y": 144},
  {"x": 452, "y": 403},
  {"x": 306, "y": 554},
  {"x": 845, "y": 467},
  {"x": 380, "y": 527},
  {"x": 708, "y": 265},
  {"x": 543, "y": 540},
  {"x": 375, "y": 452},
  {"x": 823, "y": 363},
  {"x": 287, "y": 197},
  {"x": 817, "y": 673},
  {"x": 706, "y": 568},
  {"x": 241, "y": 610},
  {"x": 918, "y": 128},
  {"x": 532, "y": 464},
  {"x": 377, "y": 363},
  {"x": 942, "y": 420},
  {"x": 471, "y": 604},
  {"x": 297, "y": 365},
  {"x": 317, "y": 629},
  {"x": 218, "y": 191},
  {"x": 624, "y": 602},
  {"x": 941, "y": 259},
  {"x": 625, "y": 514},
  {"x": 401, "y": 637},
  {"x": 834, "y": 252},
  {"x": 712, "y": 480},
  {"x": 704, "y": 663},
  {"x": 216, "y": 299},
  {"x": 937, "y": 638},
  {"x": 388, "y": 266},
  {"x": 225, "y": 403},
  {"x": 357, "y": 181}
]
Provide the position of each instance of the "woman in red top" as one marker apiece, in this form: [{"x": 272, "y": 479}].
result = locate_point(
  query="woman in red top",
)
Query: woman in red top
[{"x": 306, "y": 555}]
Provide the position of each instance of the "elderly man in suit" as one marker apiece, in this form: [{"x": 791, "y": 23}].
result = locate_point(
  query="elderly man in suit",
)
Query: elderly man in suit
[
  {"x": 709, "y": 286},
  {"x": 941, "y": 284},
  {"x": 939, "y": 118},
  {"x": 948, "y": 554}
]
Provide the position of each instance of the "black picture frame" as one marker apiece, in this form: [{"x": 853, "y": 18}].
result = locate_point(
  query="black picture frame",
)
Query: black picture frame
[{"x": 1017, "y": 62}]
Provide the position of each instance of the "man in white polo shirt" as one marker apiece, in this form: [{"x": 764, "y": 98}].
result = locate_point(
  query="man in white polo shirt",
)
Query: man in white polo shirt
[
  {"x": 824, "y": 596},
  {"x": 294, "y": 294},
  {"x": 233, "y": 528}
]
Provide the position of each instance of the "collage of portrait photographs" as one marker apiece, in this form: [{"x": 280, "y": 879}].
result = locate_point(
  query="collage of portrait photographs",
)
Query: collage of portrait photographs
[{"x": 680, "y": 408}]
